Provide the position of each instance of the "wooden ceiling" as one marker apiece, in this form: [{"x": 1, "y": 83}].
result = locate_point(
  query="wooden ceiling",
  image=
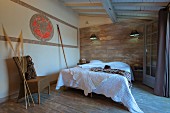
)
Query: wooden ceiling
[{"x": 118, "y": 9}]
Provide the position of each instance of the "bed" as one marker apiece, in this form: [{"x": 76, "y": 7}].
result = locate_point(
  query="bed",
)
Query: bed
[{"x": 114, "y": 86}]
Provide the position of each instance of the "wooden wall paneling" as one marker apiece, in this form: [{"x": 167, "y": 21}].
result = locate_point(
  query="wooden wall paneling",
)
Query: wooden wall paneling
[{"x": 114, "y": 43}]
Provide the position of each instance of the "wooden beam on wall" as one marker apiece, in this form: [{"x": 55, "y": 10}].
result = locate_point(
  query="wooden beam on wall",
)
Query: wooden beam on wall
[
  {"x": 24, "y": 4},
  {"x": 109, "y": 9}
]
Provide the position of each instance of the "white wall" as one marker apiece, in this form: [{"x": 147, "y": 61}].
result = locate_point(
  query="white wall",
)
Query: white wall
[{"x": 48, "y": 60}]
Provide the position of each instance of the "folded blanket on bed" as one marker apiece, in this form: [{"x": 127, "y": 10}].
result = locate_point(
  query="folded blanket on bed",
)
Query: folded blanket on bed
[{"x": 114, "y": 71}]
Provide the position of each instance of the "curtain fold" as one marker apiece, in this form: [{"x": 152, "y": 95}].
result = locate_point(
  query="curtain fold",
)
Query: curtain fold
[
  {"x": 167, "y": 59},
  {"x": 162, "y": 80}
]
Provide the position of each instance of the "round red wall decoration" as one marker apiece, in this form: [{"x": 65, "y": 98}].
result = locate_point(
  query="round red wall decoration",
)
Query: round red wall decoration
[{"x": 41, "y": 27}]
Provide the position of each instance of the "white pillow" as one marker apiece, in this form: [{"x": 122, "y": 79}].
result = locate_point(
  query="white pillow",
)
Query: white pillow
[
  {"x": 96, "y": 61},
  {"x": 118, "y": 64}
]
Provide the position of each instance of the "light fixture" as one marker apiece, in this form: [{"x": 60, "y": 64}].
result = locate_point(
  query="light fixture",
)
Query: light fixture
[
  {"x": 93, "y": 37},
  {"x": 134, "y": 33}
]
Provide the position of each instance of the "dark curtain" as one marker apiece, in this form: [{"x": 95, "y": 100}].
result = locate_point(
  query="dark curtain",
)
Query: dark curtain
[{"x": 162, "y": 81}]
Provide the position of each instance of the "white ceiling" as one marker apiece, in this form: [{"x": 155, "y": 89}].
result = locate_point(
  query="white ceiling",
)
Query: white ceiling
[{"x": 122, "y": 9}]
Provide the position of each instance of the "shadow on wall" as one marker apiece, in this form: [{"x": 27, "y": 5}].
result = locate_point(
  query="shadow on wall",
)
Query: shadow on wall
[
  {"x": 53, "y": 77},
  {"x": 13, "y": 77}
]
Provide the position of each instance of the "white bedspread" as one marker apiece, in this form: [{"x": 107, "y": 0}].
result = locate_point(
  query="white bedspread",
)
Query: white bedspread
[{"x": 111, "y": 85}]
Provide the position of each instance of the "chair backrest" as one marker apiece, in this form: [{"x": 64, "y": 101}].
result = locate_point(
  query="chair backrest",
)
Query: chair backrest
[
  {"x": 19, "y": 65},
  {"x": 24, "y": 67}
]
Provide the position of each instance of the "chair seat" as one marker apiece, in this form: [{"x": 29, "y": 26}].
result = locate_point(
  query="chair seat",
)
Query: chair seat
[{"x": 38, "y": 84}]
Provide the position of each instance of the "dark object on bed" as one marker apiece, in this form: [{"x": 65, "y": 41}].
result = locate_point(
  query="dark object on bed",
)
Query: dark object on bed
[
  {"x": 107, "y": 67},
  {"x": 36, "y": 85}
]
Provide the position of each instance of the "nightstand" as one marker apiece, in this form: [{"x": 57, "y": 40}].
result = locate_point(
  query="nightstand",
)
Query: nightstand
[
  {"x": 138, "y": 73},
  {"x": 81, "y": 63}
]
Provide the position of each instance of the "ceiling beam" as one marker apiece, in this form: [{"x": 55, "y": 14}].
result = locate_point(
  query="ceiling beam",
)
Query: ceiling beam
[
  {"x": 109, "y": 9},
  {"x": 89, "y": 10},
  {"x": 119, "y": 11},
  {"x": 137, "y": 11},
  {"x": 83, "y": 4},
  {"x": 94, "y": 15},
  {"x": 74, "y": 4},
  {"x": 139, "y": 4},
  {"x": 136, "y": 17},
  {"x": 152, "y": 12},
  {"x": 120, "y": 16}
]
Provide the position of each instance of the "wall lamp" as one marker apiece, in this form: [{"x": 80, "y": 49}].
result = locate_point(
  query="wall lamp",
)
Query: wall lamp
[
  {"x": 93, "y": 37},
  {"x": 134, "y": 33}
]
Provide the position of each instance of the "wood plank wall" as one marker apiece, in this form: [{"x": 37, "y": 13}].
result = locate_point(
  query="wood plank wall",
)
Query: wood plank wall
[{"x": 114, "y": 43}]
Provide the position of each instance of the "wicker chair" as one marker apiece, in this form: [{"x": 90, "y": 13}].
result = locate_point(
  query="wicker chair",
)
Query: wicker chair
[{"x": 35, "y": 85}]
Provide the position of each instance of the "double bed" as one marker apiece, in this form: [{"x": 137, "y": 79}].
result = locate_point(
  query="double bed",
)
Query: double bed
[{"x": 111, "y": 85}]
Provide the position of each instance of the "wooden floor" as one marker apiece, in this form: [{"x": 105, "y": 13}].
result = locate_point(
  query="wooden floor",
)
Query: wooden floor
[{"x": 73, "y": 101}]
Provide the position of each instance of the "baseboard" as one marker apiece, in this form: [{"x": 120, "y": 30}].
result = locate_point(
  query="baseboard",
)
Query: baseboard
[
  {"x": 3, "y": 99},
  {"x": 15, "y": 94}
]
